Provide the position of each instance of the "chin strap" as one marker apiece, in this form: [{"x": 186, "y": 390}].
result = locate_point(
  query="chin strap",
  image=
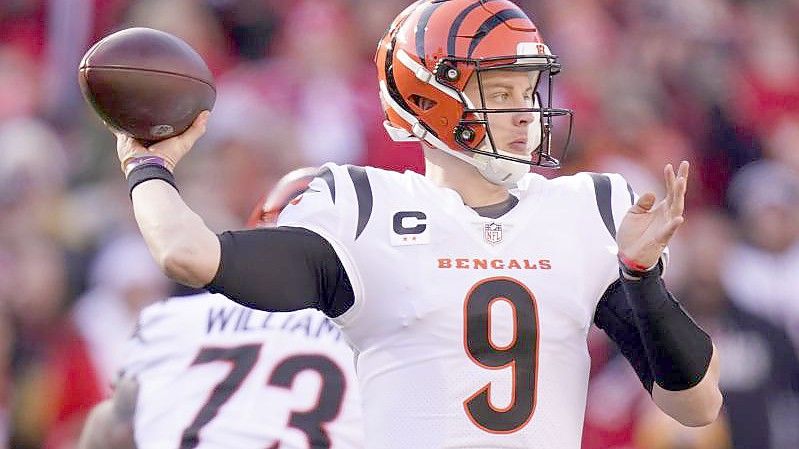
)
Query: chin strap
[
  {"x": 502, "y": 172},
  {"x": 495, "y": 170}
]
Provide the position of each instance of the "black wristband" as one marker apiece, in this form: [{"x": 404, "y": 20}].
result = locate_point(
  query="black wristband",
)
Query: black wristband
[
  {"x": 678, "y": 350},
  {"x": 147, "y": 172}
]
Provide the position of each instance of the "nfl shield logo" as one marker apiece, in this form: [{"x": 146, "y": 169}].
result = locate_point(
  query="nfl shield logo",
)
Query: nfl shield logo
[{"x": 492, "y": 233}]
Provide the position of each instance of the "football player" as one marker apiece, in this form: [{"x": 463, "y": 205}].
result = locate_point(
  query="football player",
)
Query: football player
[
  {"x": 205, "y": 372},
  {"x": 467, "y": 292}
]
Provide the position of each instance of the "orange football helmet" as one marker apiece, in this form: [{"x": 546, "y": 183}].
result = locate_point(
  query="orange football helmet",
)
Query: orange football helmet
[
  {"x": 287, "y": 189},
  {"x": 432, "y": 50}
]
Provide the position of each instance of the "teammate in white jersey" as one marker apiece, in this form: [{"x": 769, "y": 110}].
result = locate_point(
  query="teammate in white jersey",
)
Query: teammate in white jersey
[
  {"x": 467, "y": 292},
  {"x": 204, "y": 372}
]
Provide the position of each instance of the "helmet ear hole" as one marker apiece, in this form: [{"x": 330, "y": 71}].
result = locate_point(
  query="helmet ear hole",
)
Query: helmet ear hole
[{"x": 422, "y": 103}]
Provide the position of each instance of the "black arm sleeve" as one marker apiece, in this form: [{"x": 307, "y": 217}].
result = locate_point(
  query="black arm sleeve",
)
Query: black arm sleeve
[
  {"x": 282, "y": 269},
  {"x": 615, "y": 316},
  {"x": 659, "y": 339},
  {"x": 678, "y": 350}
]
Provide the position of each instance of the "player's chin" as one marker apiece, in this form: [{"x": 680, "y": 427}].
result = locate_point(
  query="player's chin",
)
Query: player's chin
[{"x": 519, "y": 149}]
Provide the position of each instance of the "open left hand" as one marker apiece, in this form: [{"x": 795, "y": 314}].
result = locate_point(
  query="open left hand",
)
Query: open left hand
[{"x": 648, "y": 226}]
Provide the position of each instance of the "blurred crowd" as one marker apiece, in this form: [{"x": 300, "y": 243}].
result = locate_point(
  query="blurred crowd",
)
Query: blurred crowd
[{"x": 715, "y": 82}]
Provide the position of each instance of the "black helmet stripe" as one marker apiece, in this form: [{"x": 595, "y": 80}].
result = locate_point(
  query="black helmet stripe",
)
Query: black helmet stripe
[
  {"x": 421, "y": 28},
  {"x": 456, "y": 25},
  {"x": 493, "y": 22},
  {"x": 391, "y": 83}
]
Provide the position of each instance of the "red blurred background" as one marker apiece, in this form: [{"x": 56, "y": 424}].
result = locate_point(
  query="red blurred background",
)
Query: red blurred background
[{"x": 715, "y": 82}]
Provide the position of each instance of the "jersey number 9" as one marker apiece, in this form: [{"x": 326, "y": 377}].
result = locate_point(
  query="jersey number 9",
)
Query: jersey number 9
[{"x": 520, "y": 355}]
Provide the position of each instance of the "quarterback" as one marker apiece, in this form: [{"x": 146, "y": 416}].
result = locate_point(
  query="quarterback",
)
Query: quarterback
[
  {"x": 467, "y": 293},
  {"x": 204, "y": 372}
]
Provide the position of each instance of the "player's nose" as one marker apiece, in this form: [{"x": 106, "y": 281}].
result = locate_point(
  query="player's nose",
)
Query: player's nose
[{"x": 523, "y": 118}]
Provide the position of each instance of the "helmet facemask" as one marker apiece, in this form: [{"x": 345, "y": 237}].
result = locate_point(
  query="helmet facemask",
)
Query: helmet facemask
[
  {"x": 434, "y": 49},
  {"x": 475, "y": 120}
]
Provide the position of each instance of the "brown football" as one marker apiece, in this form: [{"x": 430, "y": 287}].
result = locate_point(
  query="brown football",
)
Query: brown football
[{"x": 147, "y": 83}]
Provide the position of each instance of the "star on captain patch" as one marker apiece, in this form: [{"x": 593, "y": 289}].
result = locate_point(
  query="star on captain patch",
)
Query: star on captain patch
[{"x": 492, "y": 233}]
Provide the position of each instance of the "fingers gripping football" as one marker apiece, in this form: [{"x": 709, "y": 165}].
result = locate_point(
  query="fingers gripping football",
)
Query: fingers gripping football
[
  {"x": 170, "y": 150},
  {"x": 649, "y": 224}
]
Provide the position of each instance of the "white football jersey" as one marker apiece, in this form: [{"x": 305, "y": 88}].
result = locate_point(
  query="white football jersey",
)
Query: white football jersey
[
  {"x": 213, "y": 374},
  {"x": 470, "y": 331}
]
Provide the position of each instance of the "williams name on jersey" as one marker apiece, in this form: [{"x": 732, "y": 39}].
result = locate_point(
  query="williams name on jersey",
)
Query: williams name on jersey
[{"x": 213, "y": 374}]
